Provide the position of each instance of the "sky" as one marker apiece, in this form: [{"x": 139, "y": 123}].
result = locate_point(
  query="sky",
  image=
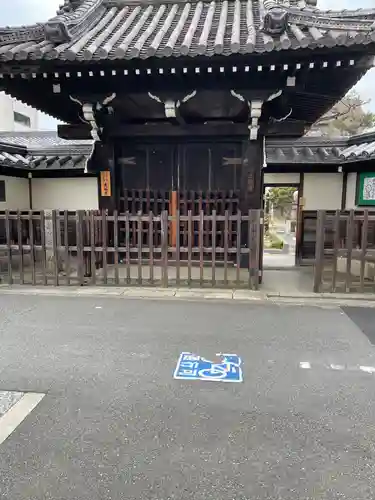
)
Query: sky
[{"x": 18, "y": 12}]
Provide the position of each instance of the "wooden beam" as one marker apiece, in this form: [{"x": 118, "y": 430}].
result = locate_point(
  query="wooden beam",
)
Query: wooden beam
[
  {"x": 79, "y": 132},
  {"x": 281, "y": 129},
  {"x": 169, "y": 130}
]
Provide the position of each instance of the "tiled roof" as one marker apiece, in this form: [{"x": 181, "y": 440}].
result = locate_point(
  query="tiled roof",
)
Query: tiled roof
[
  {"x": 39, "y": 140},
  {"x": 44, "y": 151},
  {"x": 108, "y": 29},
  {"x": 360, "y": 148}
]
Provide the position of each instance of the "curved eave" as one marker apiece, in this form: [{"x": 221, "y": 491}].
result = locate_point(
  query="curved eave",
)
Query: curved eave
[{"x": 118, "y": 31}]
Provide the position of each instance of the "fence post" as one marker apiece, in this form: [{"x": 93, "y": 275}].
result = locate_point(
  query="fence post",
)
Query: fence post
[
  {"x": 164, "y": 248},
  {"x": 66, "y": 245},
  {"x": 363, "y": 251},
  {"x": 115, "y": 246},
  {"x": 336, "y": 245},
  {"x": 139, "y": 246},
  {"x": 43, "y": 244},
  {"x": 9, "y": 247},
  {"x": 349, "y": 250},
  {"x": 79, "y": 230},
  {"x": 54, "y": 249},
  {"x": 319, "y": 251}
]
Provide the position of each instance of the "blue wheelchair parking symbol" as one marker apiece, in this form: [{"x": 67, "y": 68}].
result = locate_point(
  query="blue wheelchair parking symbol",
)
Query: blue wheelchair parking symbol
[{"x": 193, "y": 367}]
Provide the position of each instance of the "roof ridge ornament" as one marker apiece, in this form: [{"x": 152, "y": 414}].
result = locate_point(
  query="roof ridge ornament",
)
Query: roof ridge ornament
[
  {"x": 73, "y": 18},
  {"x": 276, "y": 16}
]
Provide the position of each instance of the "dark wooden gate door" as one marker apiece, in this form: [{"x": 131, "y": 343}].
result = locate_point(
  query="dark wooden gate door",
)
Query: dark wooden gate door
[{"x": 196, "y": 178}]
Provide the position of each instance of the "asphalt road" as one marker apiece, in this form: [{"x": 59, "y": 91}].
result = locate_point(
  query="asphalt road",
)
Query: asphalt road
[{"x": 116, "y": 425}]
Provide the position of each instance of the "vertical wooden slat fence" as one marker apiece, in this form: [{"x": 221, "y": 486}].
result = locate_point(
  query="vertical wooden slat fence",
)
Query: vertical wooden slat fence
[
  {"x": 345, "y": 252},
  {"x": 98, "y": 248}
]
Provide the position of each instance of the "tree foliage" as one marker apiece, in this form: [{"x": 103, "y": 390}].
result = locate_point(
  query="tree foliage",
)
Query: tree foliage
[
  {"x": 347, "y": 117},
  {"x": 280, "y": 197}
]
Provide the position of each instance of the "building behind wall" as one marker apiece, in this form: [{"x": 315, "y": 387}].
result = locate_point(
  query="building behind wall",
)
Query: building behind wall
[{"x": 16, "y": 116}]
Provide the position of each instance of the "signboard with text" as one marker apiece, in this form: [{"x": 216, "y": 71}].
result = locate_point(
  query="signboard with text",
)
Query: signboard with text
[{"x": 105, "y": 183}]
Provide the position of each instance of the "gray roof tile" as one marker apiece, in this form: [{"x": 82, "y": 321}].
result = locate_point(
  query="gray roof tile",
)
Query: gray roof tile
[{"x": 100, "y": 29}]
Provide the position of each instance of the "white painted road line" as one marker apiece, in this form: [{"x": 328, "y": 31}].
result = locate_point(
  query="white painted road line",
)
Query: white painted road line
[
  {"x": 337, "y": 367},
  {"x": 367, "y": 369},
  {"x": 17, "y": 413},
  {"x": 305, "y": 364}
]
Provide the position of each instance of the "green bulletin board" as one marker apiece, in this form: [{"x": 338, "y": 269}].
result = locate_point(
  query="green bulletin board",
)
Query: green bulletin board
[{"x": 366, "y": 189}]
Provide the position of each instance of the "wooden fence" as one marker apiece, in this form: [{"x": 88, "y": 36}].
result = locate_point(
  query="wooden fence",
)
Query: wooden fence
[
  {"x": 345, "y": 252},
  {"x": 97, "y": 248}
]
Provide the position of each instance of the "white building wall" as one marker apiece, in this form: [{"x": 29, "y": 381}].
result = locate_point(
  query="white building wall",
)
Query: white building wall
[
  {"x": 322, "y": 191},
  {"x": 65, "y": 194},
  {"x": 281, "y": 178},
  {"x": 8, "y": 106},
  {"x": 351, "y": 191},
  {"x": 16, "y": 193}
]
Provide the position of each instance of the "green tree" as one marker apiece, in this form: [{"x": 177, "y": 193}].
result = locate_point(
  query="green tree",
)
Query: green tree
[{"x": 281, "y": 198}]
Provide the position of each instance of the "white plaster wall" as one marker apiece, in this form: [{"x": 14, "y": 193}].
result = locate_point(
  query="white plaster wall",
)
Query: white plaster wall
[
  {"x": 65, "y": 194},
  {"x": 7, "y": 107},
  {"x": 322, "y": 191},
  {"x": 281, "y": 178},
  {"x": 351, "y": 191},
  {"x": 16, "y": 193}
]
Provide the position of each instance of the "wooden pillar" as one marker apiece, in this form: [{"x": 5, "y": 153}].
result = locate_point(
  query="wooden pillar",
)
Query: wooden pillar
[
  {"x": 103, "y": 162},
  {"x": 251, "y": 188}
]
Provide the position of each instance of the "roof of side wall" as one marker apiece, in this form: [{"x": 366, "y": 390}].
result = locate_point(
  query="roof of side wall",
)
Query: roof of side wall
[{"x": 46, "y": 151}]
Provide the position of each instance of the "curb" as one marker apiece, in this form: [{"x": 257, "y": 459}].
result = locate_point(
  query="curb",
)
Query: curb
[{"x": 320, "y": 299}]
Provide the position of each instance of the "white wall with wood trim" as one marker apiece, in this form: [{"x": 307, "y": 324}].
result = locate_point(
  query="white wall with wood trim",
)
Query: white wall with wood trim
[
  {"x": 351, "y": 189},
  {"x": 322, "y": 191},
  {"x": 281, "y": 178},
  {"x": 80, "y": 193},
  {"x": 16, "y": 193}
]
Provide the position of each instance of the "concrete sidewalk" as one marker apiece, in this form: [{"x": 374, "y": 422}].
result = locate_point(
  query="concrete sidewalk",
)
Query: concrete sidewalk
[{"x": 197, "y": 294}]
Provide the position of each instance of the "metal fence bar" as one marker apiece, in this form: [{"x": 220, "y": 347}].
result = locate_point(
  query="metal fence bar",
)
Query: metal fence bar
[
  {"x": 319, "y": 251},
  {"x": 9, "y": 249},
  {"x": 349, "y": 247},
  {"x": 363, "y": 252}
]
